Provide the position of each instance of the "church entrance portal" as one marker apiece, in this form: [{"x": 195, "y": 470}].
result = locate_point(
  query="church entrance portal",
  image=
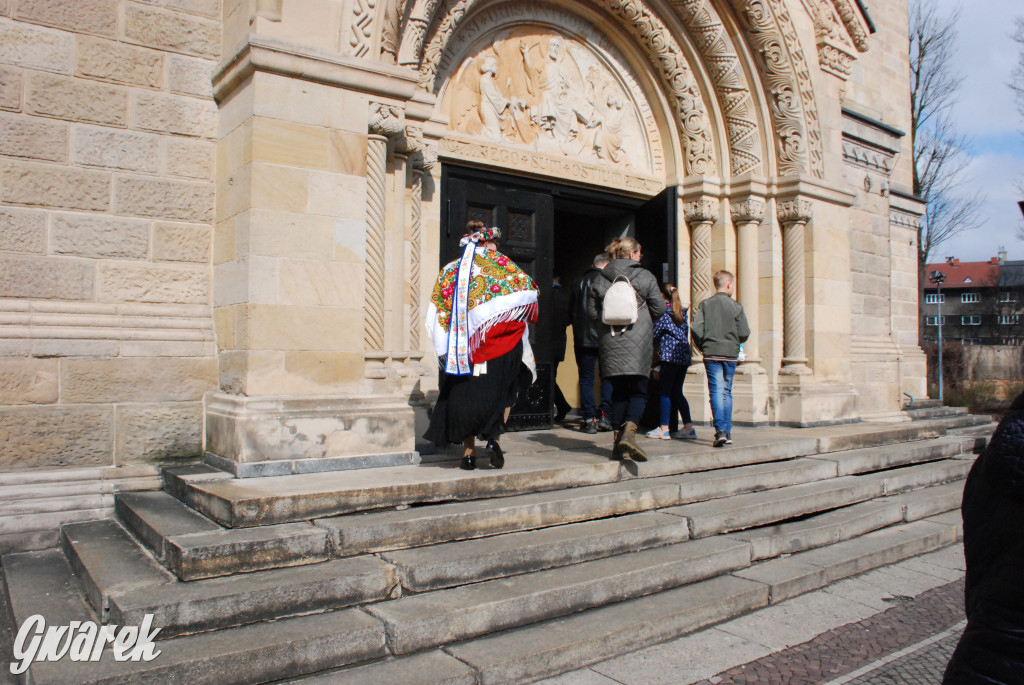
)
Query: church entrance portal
[{"x": 551, "y": 230}]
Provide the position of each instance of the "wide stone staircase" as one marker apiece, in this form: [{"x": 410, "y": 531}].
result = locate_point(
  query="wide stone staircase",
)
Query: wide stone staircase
[{"x": 431, "y": 574}]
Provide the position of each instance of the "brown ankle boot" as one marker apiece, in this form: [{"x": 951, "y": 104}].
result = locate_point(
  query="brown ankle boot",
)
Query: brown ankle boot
[
  {"x": 616, "y": 453},
  {"x": 627, "y": 443}
]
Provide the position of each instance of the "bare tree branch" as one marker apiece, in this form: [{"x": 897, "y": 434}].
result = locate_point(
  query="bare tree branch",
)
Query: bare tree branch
[
  {"x": 939, "y": 150},
  {"x": 1017, "y": 84}
]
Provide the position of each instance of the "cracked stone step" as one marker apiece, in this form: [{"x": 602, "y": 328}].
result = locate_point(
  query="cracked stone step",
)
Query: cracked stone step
[
  {"x": 434, "y": 618},
  {"x": 106, "y": 559},
  {"x": 445, "y": 565},
  {"x": 154, "y": 516},
  {"x": 817, "y": 531},
  {"x": 931, "y": 501},
  {"x": 710, "y": 458},
  {"x": 859, "y": 439},
  {"x": 427, "y": 668},
  {"x": 934, "y": 412},
  {"x": 806, "y": 571},
  {"x": 908, "y": 478},
  {"x": 878, "y": 458},
  {"x": 205, "y": 605},
  {"x": 760, "y": 508},
  {"x": 192, "y": 556},
  {"x": 564, "y": 644},
  {"x": 44, "y": 583}
]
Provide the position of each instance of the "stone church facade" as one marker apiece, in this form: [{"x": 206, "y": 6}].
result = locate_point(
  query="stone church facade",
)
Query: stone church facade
[{"x": 220, "y": 220}]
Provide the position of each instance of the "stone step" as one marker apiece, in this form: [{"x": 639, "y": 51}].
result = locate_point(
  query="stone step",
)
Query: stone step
[
  {"x": 925, "y": 402},
  {"x": 806, "y": 571},
  {"x": 908, "y": 478},
  {"x": 209, "y": 554},
  {"x": 204, "y": 605},
  {"x": 449, "y": 564},
  {"x": 434, "y": 618},
  {"x": 427, "y": 668},
  {"x": 919, "y": 412},
  {"x": 417, "y": 526},
  {"x": 43, "y": 583},
  {"x": 106, "y": 559},
  {"x": 760, "y": 508},
  {"x": 931, "y": 501},
  {"x": 152, "y": 517},
  {"x": 261, "y": 501},
  {"x": 967, "y": 421},
  {"x": 871, "y": 459}
]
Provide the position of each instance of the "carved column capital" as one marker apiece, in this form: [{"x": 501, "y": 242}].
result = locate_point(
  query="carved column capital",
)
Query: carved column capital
[
  {"x": 793, "y": 210},
  {"x": 704, "y": 210},
  {"x": 749, "y": 210},
  {"x": 386, "y": 120}
]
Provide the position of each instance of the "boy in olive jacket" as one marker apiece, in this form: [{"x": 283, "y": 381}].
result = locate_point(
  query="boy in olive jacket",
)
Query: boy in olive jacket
[{"x": 718, "y": 327}]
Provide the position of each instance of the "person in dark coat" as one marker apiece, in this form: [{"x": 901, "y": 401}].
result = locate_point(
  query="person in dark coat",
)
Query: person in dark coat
[
  {"x": 991, "y": 650},
  {"x": 626, "y": 355},
  {"x": 560, "y": 305},
  {"x": 584, "y": 334}
]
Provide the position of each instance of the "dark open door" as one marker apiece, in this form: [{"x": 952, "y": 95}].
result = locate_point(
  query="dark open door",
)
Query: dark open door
[
  {"x": 656, "y": 222},
  {"x": 526, "y": 221}
]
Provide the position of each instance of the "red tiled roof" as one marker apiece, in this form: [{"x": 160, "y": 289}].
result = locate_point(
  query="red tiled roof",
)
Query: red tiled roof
[{"x": 965, "y": 274}]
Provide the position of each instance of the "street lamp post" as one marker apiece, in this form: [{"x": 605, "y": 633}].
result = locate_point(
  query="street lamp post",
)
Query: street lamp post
[{"x": 937, "y": 277}]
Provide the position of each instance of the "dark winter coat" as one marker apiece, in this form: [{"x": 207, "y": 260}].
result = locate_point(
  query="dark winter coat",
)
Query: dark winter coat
[
  {"x": 629, "y": 351},
  {"x": 991, "y": 650},
  {"x": 719, "y": 326},
  {"x": 584, "y": 329}
]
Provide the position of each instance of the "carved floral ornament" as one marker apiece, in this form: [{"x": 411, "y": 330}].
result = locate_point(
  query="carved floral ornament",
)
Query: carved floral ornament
[
  {"x": 794, "y": 210},
  {"x": 750, "y": 210}
]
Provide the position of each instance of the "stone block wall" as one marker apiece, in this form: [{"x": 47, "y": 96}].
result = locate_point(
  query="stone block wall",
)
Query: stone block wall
[{"x": 107, "y": 155}]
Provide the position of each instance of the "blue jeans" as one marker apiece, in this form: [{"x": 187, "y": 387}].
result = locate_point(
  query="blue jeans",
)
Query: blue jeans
[
  {"x": 586, "y": 361},
  {"x": 720, "y": 387}
]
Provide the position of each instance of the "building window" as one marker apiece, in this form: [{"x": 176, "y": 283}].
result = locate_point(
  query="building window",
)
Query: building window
[
  {"x": 1007, "y": 297},
  {"x": 1009, "y": 319},
  {"x": 970, "y": 320},
  {"x": 970, "y": 341},
  {"x": 934, "y": 298},
  {"x": 932, "y": 321},
  {"x": 1013, "y": 341},
  {"x": 968, "y": 298}
]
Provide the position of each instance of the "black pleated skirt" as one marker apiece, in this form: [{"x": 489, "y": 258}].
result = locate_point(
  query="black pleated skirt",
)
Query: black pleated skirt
[{"x": 475, "y": 405}]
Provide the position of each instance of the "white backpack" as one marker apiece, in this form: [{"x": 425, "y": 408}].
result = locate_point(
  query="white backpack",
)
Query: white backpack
[{"x": 619, "y": 305}]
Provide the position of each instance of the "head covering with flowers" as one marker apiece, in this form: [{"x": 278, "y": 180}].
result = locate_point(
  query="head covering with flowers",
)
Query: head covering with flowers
[{"x": 471, "y": 295}]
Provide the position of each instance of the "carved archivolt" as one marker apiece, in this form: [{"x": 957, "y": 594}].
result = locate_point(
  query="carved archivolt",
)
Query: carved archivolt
[
  {"x": 691, "y": 114},
  {"x": 702, "y": 21},
  {"x": 787, "y": 83}
]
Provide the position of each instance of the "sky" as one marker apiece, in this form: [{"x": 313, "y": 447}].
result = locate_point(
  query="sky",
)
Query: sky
[{"x": 987, "y": 113}]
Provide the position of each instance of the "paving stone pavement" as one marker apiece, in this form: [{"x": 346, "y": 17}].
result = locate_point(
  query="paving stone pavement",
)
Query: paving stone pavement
[{"x": 896, "y": 624}]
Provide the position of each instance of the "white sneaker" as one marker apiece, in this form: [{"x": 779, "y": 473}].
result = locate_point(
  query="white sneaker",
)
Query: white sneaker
[{"x": 658, "y": 434}]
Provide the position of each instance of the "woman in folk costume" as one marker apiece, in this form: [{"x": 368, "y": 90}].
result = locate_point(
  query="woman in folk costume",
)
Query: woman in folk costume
[{"x": 477, "y": 318}]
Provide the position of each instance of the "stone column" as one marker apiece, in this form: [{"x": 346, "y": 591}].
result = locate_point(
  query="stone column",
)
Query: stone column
[
  {"x": 750, "y": 389},
  {"x": 700, "y": 216},
  {"x": 794, "y": 213},
  {"x": 747, "y": 216},
  {"x": 385, "y": 121}
]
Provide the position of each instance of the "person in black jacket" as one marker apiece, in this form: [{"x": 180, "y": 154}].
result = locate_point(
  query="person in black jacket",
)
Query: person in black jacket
[
  {"x": 584, "y": 333},
  {"x": 991, "y": 650}
]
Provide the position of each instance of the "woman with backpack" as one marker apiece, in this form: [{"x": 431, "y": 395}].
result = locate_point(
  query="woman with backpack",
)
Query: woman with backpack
[
  {"x": 625, "y": 302},
  {"x": 672, "y": 342}
]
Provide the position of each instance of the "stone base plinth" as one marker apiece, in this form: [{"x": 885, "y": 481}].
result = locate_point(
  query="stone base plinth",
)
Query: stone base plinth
[
  {"x": 272, "y": 436},
  {"x": 804, "y": 403},
  {"x": 695, "y": 390},
  {"x": 751, "y": 396}
]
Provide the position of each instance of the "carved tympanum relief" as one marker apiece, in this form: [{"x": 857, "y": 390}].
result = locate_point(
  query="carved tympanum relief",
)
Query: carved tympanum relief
[{"x": 537, "y": 88}]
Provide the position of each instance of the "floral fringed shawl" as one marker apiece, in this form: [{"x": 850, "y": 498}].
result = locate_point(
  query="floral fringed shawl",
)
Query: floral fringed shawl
[{"x": 472, "y": 295}]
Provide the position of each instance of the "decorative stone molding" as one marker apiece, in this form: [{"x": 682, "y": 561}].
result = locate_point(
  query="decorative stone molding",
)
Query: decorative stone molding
[
  {"x": 385, "y": 120},
  {"x": 700, "y": 216},
  {"x": 662, "y": 51},
  {"x": 702, "y": 20},
  {"x": 904, "y": 219},
  {"x": 793, "y": 210},
  {"x": 376, "y": 179},
  {"x": 853, "y": 22},
  {"x": 860, "y": 154},
  {"x": 788, "y": 81},
  {"x": 750, "y": 210},
  {"x": 834, "y": 59},
  {"x": 361, "y": 27},
  {"x": 870, "y": 144},
  {"x": 389, "y": 32}
]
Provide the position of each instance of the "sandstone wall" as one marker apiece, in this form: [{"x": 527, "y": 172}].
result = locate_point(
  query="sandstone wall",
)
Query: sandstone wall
[{"x": 107, "y": 150}]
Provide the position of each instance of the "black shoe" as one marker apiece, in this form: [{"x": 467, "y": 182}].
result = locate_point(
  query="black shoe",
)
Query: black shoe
[
  {"x": 497, "y": 456},
  {"x": 589, "y": 427},
  {"x": 604, "y": 425},
  {"x": 560, "y": 414},
  {"x": 468, "y": 463},
  {"x": 719, "y": 439},
  {"x": 728, "y": 438}
]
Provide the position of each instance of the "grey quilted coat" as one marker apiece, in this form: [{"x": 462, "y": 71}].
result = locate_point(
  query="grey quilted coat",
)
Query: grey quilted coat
[{"x": 628, "y": 352}]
